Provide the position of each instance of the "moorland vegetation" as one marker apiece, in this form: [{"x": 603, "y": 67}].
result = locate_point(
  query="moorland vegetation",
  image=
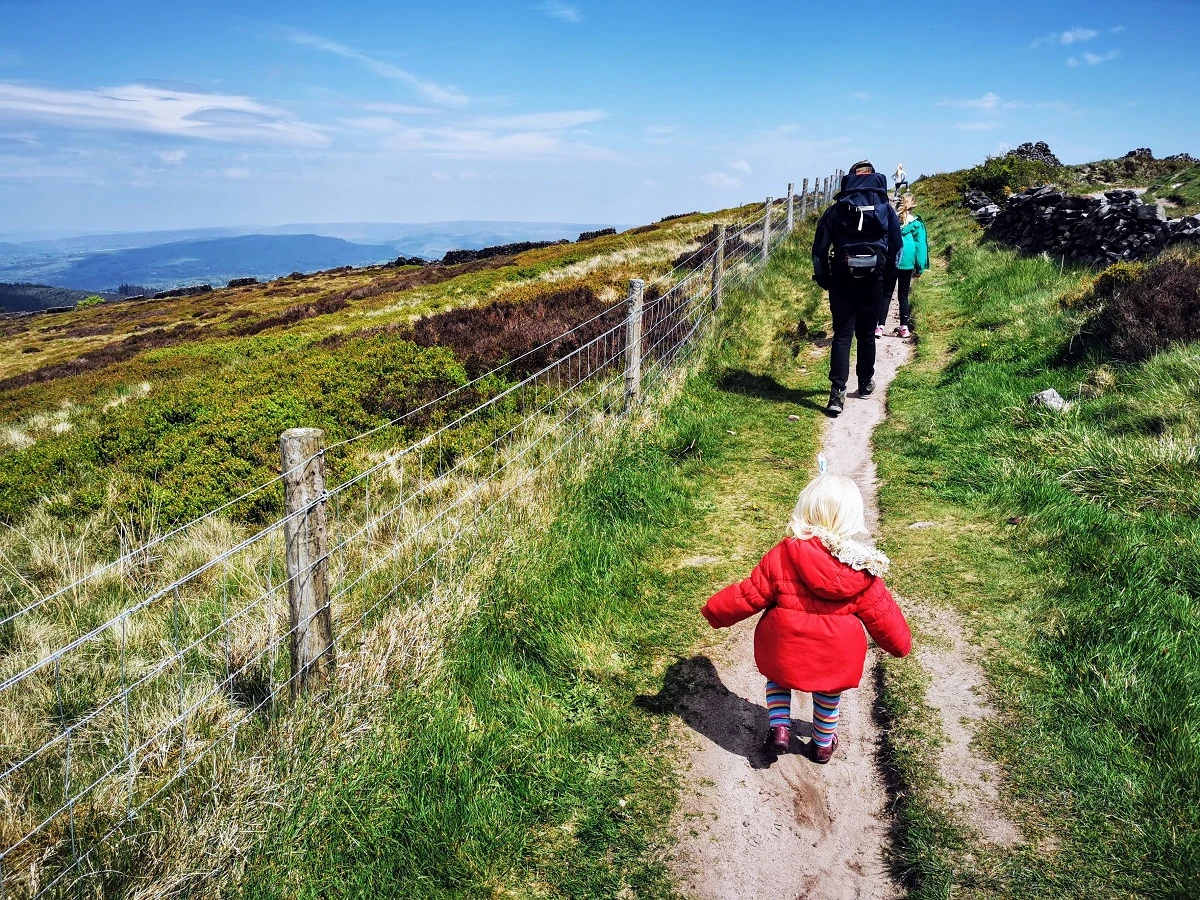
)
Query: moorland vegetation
[{"x": 1067, "y": 540}]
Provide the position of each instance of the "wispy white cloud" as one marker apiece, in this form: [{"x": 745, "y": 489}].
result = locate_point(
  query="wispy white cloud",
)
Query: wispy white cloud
[
  {"x": 740, "y": 165},
  {"x": 464, "y": 142},
  {"x": 518, "y": 136},
  {"x": 28, "y": 167},
  {"x": 399, "y": 109},
  {"x": 990, "y": 100},
  {"x": 561, "y": 11},
  {"x": 991, "y": 109},
  {"x": 172, "y": 157},
  {"x": 1095, "y": 59},
  {"x": 721, "y": 179},
  {"x": 236, "y": 173},
  {"x": 547, "y": 121},
  {"x": 661, "y": 130},
  {"x": 1116, "y": 29},
  {"x": 862, "y": 95},
  {"x": 1075, "y": 35},
  {"x": 138, "y": 107},
  {"x": 432, "y": 91}
]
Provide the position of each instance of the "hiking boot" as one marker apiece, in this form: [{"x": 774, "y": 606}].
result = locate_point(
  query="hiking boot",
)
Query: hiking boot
[
  {"x": 866, "y": 390},
  {"x": 779, "y": 737},
  {"x": 822, "y": 755},
  {"x": 878, "y": 331},
  {"x": 903, "y": 331},
  {"x": 837, "y": 402}
]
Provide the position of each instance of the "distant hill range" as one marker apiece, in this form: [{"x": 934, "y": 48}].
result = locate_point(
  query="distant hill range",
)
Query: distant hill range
[
  {"x": 34, "y": 297},
  {"x": 169, "y": 259}
]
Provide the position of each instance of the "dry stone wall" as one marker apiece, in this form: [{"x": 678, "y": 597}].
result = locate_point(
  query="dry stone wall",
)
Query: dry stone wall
[{"x": 1084, "y": 229}]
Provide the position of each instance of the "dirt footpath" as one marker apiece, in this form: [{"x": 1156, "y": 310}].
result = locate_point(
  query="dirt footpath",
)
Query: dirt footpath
[{"x": 756, "y": 824}]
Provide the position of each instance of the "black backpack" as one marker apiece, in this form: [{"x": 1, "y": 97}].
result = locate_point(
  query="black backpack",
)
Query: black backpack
[
  {"x": 860, "y": 237},
  {"x": 859, "y": 220}
]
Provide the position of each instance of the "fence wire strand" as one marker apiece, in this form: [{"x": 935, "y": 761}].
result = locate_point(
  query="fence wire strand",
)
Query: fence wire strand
[{"x": 134, "y": 702}]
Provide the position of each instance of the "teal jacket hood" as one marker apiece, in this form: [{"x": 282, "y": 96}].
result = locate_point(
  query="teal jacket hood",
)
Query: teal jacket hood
[{"x": 914, "y": 251}]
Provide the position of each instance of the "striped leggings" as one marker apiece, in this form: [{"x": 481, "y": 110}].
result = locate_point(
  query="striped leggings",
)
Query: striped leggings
[{"x": 825, "y": 712}]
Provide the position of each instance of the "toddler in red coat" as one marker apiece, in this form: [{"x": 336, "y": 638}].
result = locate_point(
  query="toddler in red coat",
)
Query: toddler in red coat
[{"x": 816, "y": 590}]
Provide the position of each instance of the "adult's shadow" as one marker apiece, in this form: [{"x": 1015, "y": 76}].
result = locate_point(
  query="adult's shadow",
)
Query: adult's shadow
[
  {"x": 739, "y": 381},
  {"x": 692, "y": 689}
]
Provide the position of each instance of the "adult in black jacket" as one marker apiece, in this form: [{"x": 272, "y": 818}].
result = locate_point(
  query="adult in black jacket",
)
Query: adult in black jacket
[{"x": 854, "y": 266}]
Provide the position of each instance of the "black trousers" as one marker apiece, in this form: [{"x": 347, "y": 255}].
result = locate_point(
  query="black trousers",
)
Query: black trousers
[
  {"x": 854, "y": 304},
  {"x": 902, "y": 284}
]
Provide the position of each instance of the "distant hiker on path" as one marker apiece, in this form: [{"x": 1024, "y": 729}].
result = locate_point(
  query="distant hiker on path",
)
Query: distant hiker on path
[
  {"x": 900, "y": 180},
  {"x": 816, "y": 590},
  {"x": 854, "y": 257},
  {"x": 910, "y": 263}
]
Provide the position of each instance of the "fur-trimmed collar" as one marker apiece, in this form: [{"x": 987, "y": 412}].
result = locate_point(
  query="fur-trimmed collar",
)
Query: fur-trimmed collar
[{"x": 853, "y": 553}]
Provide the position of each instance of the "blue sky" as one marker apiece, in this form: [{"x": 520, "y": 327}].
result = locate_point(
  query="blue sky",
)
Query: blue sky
[{"x": 125, "y": 116}]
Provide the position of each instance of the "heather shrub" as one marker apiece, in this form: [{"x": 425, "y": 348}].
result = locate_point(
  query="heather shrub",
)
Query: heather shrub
[
  {"x": 1144, "y": 309},
  {"x": 533, "y": 332}
]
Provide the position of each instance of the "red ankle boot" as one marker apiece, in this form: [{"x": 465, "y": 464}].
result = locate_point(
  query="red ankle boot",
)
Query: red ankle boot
[
  {"x": 779, "y": 737},
  {"x": 821, "y": 754}
]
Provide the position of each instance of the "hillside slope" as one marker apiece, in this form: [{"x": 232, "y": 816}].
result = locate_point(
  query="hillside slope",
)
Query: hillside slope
[
  {"x": 136, "y": 389},
  {"x": 212, "y": 260},
  {"x": 1066, "y": 545}
]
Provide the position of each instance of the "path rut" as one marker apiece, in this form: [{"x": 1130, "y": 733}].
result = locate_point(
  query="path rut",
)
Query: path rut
[{"x": 755, "y": 824}]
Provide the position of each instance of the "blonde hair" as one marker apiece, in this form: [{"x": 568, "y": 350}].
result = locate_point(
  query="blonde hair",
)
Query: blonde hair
[{"x": 829, "y": 503}]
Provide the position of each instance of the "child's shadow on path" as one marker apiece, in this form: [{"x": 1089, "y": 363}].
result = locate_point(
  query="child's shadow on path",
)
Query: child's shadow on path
[{"x": 693, "y": 690}]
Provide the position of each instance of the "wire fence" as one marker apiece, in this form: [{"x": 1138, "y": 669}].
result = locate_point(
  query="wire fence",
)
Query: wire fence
[{"x": 186, "y": 646}]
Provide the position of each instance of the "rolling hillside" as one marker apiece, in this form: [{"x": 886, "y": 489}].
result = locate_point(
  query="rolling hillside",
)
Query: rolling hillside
[
  {"x": 166, "y": 259},
  {"x": 247, "y": 361},
  {"x": 215, "y": 260}
]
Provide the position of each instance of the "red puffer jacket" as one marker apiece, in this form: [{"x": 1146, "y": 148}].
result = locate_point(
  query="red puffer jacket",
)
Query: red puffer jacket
[{"x": 810, "y": 637}]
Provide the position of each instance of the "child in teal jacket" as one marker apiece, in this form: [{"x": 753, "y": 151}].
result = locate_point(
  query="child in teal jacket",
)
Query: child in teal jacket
[{"x": 912, "y": 260}]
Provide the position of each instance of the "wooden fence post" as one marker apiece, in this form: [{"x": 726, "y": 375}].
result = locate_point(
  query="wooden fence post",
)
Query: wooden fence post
[
  {"x": 633, "y": 342},
  {"x": 766, "y": 247},
  {"x": 791, "y": 219},
  {"x": 804, "y": 199},
  {"x": 306, "y": 545},
  {"x": 718, "y": 268}
]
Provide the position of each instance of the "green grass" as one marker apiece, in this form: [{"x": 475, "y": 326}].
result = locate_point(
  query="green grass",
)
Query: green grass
[
  {"x": 1181, "y": 188},
  {"x": 527, "y": 769},
  {"x": 198, "y": 440},
  {"x": 216, "y": 397},
  {"x": 1087, "y": 604}
]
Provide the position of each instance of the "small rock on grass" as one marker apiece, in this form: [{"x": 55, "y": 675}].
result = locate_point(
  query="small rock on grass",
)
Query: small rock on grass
[
  {"x": 793, "y": 418},
  {"x": 921, "y": 525},
  {"x": 1049, "y": 398}
]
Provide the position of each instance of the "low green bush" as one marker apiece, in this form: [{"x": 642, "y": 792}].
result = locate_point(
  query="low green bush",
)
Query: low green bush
[{"x": 1000, "y": 175}]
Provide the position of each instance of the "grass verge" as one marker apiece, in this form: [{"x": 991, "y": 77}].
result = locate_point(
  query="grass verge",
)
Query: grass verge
[
  {"x": 525, "y": 768},
  {"x": 1069, "y": 544}
]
